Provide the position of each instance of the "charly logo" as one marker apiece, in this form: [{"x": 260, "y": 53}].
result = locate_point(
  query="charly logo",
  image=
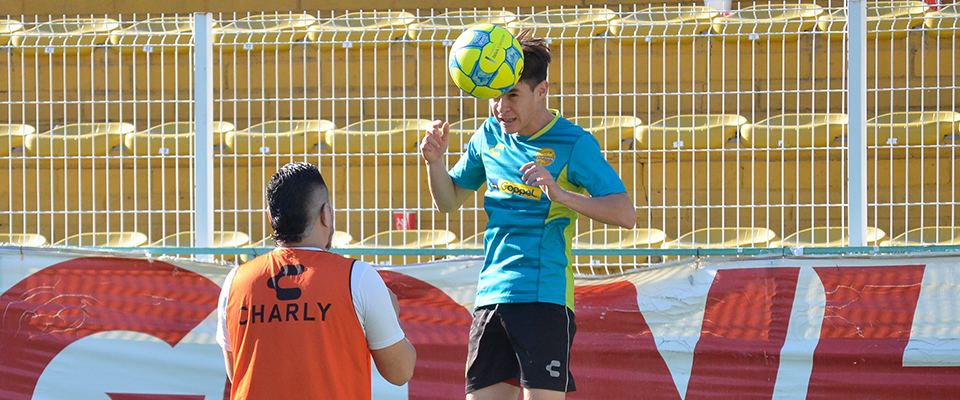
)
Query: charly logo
[
  {"x": 502, "y": 185},
  {"x": 494, "y": 150},
  {"x": 545, "y": 156}
]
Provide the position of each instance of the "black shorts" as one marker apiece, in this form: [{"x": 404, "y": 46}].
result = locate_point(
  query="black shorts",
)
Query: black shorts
[{"x": 526, "y": 342}]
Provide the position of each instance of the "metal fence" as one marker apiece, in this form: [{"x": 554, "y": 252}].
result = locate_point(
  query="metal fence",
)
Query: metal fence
[{"x": 728, "y": 128}]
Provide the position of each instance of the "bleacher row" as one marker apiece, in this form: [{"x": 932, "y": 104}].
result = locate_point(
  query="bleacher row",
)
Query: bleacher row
[
  {"x": 758, "y": 22},
  {"x": 397, "y": 136}
]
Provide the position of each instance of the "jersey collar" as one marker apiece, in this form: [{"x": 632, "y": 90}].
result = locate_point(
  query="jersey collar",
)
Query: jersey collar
[{"x": 556, "y": 117}]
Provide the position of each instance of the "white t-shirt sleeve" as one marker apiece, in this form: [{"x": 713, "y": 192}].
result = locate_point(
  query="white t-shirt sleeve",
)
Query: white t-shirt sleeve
[
  {"x": 371, "y": 299},
  {"x": 222, "y": 337}
]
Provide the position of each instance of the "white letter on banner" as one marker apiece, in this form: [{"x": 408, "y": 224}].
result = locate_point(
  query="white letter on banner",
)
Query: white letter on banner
[
  {"x": 803, "y": 334},
  {"x": 935, "y": 334}
]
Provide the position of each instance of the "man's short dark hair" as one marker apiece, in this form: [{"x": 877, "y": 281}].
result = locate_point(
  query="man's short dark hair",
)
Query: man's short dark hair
[
  {"x": 536, "y": 58},
  {"x": 294, "y": 197}
]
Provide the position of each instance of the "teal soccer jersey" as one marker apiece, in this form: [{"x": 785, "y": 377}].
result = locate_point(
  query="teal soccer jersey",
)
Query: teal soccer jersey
[{"x": 528, "y": 237}]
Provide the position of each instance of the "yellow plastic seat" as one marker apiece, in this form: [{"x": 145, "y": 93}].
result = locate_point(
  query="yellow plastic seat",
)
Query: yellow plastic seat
[
  {"x": 447, "y": 27},
  {"x": 11, "y": 136},
  {"x": 220, "y": 239},
  {"x": 927, "y": 236},
  {"x": 266, "y": 32},
  {"x": 155, "y": 35},
  {"x": 362, "y": 29},
  {"x": 68, "y": 35},
  {"x": 768, "y": 22},
  {"x": 578, "y": 24},
  {"x": 795, "y": 130},
  {"x": 108, "y": 239},
  {"x": 885, "y": 19},
  {"x": 83, "y": 139},
  {"x": 822, "y": 236},
  {"x": 666, "y": 23},
  {"x": 944, "y": 22},
  {"x": 461, "y": 132},
  {"x": 911, "y": 128},
  {"x": 23, "y": 239},
  {"x": 171, "y": 138},
  {"x": 378, "y": 136},
  {"x": 409, "y": 239},
  {"x": 690, "y": 132},
  {"x": 714, "y": 238},
  {"x": 474, "y": 241},
  {"x": 610, "y": 131},
  {"x": 615, "y": 238},
  {"x": 279, "y": 137},
  {"x": 7, "y": 28}
]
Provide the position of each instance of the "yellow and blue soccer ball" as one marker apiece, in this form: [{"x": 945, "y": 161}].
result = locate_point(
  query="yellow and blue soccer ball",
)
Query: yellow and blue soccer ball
[{"x": 486, "y": 61}]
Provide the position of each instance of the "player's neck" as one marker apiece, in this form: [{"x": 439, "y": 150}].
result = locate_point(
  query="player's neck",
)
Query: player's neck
[{"x": 539, "y": 121}]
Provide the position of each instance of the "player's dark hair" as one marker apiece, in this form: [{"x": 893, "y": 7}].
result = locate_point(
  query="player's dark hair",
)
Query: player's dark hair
[
  {"x": 536, "y": 58},
  {"x": 294, "y": 197}
]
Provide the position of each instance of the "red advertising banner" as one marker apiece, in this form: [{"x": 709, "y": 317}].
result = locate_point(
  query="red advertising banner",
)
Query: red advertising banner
[{"x": 82, "y": 325}]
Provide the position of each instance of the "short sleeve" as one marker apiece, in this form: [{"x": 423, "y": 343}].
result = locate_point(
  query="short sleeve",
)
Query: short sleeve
[
  {"x": 223, "y": 337},
  {"x": 588, "y": 169},
  {"x": 371, "y": 299},
  {"x": 469, "y": 172}
]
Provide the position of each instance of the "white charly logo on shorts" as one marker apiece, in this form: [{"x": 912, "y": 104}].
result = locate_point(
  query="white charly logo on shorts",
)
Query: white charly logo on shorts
[{"x": 553, "y": 364}]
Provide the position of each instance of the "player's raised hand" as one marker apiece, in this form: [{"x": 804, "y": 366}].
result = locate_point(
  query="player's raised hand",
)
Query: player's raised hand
[
  {"x": 536, "y": 175},
  {"x": 435, "y": 141}
]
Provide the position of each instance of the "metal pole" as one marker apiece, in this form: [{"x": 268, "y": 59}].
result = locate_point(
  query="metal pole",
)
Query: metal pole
[
  {"x": 857, "y": 134},
  {"x": 203, "y": 114}
]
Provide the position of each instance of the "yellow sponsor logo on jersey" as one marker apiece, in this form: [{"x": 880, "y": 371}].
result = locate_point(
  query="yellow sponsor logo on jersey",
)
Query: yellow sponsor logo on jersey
[
  {"x": 506, "y": 186},
  {"x": 494, "y": 152},
  {"x": 545, "y": 156}
]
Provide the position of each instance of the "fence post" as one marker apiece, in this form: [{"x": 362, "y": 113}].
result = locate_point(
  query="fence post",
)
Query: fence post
[
  {"x": 203, "y": 114},
  {"x": 857, "y": 133}
]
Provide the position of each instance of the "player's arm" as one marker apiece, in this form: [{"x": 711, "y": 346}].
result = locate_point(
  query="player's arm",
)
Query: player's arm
[
  {"x": 228, "y": 360},
  {"x": 614, "y": 209},
  {"x": 447, "y": 196},
  {"x": 396, "y": 362}
]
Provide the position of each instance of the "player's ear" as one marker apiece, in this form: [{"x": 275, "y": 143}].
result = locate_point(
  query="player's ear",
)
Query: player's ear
[
  {"x": 542, "y": 89},
  {"x": 326, "y": 215}
]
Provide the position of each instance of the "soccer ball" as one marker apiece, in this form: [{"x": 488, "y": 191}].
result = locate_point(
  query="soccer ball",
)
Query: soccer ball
[{"x": 486, "y": 61}]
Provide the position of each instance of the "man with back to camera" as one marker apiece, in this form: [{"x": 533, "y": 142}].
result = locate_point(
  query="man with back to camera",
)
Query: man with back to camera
[
  {"x": 300, "y": 322},
  {"x": 536, "y": 166}
]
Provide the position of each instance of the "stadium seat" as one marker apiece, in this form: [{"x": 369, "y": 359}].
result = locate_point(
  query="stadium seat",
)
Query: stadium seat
[
  {"x": 461, "y": 132},
  {"x": 11, "y": 137},
  {"x": 827, "y": 237},
  {"x": 445, "y": 28},
  {"x": 885, "y": 19},
  {"x": 944, "y": 22},
  {"x": 780, "y": 21},
  {"x": 23, "y": 239},
  {"x": 377, "y": 136},
  {"x": 65, "y": 36},
  {"x": 266, "y": 32},
  {"x": 279, "y": 137},
  {"x": 610, "y": 131},
  {"x": 795, "y": 130},
  {"x": 82, "y": 139},
  {"x": 720, "y": 238},
  {"x": 155, "y": 35},
  {"x": 575, "y": 24},
  {"x": 911, "y": 128},
  {"x": 409, "y": 239},
  {"x": 108, "y": 239},
  {"x": 171, "y": 138},
  {"x": 361, "y": 29},
  {"x": 689, "y": 132},
  {"x": 664, "y": 23},
  {"x": 7, "y": 28},
  {"x": 615, "y": 238},
  {"x": 475, "y": 241},
  {"x": 927, "y": 236},
  {"x": 220, "y": 239}
]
